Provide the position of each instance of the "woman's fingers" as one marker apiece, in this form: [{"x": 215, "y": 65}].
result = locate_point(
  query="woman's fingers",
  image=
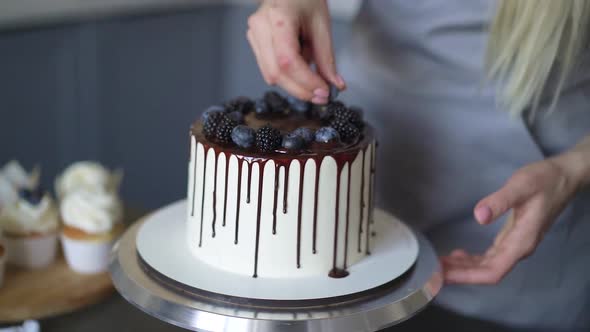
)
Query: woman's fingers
[
  {"x": 517, "y": 189},
  {"x": 273, "y": 34},
  {"x": 323, "y": 54},
  {"x": 517, "y": 240},
  {"x": 291, "y": 64}
]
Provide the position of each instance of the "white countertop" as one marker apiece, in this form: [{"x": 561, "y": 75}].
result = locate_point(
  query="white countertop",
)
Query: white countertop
[{"x": 23, "y": 13}]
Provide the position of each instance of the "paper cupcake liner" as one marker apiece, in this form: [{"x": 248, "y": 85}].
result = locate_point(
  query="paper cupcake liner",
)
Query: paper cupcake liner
[
  {"x": 86, "y": 257},
  {"x": 32, "y": 252}
]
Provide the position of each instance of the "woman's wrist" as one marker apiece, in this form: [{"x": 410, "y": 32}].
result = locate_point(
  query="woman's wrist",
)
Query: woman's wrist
[{"x": 576, "y": 163}]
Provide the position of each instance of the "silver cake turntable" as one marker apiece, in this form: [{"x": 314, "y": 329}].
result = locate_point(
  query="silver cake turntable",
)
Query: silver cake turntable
[{"x": 199, "y": 310}]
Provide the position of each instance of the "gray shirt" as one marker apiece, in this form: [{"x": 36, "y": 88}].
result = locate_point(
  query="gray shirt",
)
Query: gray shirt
[{"x": 417, "y": 67}]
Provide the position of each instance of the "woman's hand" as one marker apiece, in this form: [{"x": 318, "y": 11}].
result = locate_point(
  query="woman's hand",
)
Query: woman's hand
[
  {"x": 535, "y": 195},
  {"x": 286, "y": 36}
]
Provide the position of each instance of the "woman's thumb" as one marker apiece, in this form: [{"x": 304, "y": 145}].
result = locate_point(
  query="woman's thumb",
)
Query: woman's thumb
[{"x": 323, "y": 54}]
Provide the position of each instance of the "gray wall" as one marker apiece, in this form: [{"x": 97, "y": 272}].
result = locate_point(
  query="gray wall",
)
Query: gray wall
[{"x": 123, "y": 91}]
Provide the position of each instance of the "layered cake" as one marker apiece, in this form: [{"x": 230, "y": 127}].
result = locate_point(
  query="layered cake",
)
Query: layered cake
[{"x": 278, "y": 188}]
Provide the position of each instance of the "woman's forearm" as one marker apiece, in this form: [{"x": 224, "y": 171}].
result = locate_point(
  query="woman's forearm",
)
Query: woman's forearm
[{"x": 577, "y": 162}]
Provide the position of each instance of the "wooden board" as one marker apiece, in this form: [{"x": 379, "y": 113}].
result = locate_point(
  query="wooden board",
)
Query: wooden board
[{"x": 55, "y": 290}]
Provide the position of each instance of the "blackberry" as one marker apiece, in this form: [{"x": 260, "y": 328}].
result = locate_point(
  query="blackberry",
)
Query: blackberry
[
  {"x": 239, "y": 104},
  {"x": 276, "y": 102},
  {"x": 211, "y": 123},
  {"x": 224, "y": 129},
  {"x": 350, "y": 115},
  {"x": 268, "y": 139},
  {"x": 329, "y": 112},
  {"x": 347, "y": 131}
]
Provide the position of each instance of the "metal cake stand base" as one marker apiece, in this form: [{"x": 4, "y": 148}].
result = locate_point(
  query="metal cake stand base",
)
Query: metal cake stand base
[{"x": 197, "y": 310}]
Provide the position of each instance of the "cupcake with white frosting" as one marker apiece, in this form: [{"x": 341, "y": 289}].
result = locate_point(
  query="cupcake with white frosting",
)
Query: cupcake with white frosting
[
  {"x": 13, "y": 177},
  {"x": 92, "y": 222},
  {"x": 87, "y": 176},
  {"x": 30, "y": 226}
]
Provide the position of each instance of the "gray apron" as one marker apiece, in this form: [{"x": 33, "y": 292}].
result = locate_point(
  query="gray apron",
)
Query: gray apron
[{"x": 417, "y": 67}]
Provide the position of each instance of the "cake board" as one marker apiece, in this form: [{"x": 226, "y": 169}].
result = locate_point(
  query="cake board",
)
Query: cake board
[{"x": 199, "y": 310}]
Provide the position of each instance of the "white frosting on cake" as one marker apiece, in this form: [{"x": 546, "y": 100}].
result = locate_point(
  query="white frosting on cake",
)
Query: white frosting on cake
[
  {"x": 23, "y": 218},
  {"x": 277, "y": 254},
  {"x": 93, "y": 212}
]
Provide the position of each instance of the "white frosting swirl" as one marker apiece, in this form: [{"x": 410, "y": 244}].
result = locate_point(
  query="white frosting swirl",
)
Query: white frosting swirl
[
  {"x": 87, "y": 176},
  {"x": 18, "y": 177},
  {"x": 22, "y": 217},
  {"x": 93, "y": 212}
]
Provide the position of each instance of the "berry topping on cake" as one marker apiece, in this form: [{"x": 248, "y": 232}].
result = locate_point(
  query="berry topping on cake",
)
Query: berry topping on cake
[
  {"x": 243, "y": 136},
  {"x": 327, "y": 135},
  {"x": 236, "y": 116},
  {"x": 334, "y": 91},
  {"x": 212, "y": 109},
  {"x": 298, "y": 105},
  {"x": 224, "y": 130},
  {"x": 211, "y": 122},
  {"x": 261, "y": 107},
  {"x": 293, "y": 141},
  {"x": 276, "y": 102},
  {"x": 268, "y": 139},
  {"x": 33, "y": 197},
  {"x": 239, "y": 104},
  {"x": 307, "y": 134},
  {"x": 346, "y": 130}
]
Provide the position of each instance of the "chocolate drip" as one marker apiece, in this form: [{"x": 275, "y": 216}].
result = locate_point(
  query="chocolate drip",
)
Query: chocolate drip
[
  {"x": 334, "y": 270},
  {"x": 258, "y": 213},
  {"x": 203, "y": 194},
  {"x": 362, "y": 209},
  {"x": 214, "y": 195},
  {"x": 370, "y": 216},
  {"x": 249, "y": 182},
  {"x": 286, "y": 191},
  {"x": 194, "y": 179},
  {"x": 239, "y": 198},
  {"x": 274, "y": 204},
  {"x": 347, "y": 216},
  {"x": 225, "y": 189},
  {"x": 299, "y": 205},
  {"x": 315, "y": 205},
  {"x": 338, "y": 273}
]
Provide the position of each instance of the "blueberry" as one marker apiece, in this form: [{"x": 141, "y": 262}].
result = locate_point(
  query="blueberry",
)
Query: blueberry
[
  {"x": 298, "y": 105},
  {"x": 334, "y": 91},
  {"x": 261, "y": 107},
  {"x": 236, "y": 116},
  {"x": 327, "y": 135},
  {"x": 293, "y": 142},
  {"x": 210, "y": 110},
  {"x": 307, "y": 134},
  {"x": 243, "y": 136},
  {"x": 32, "y": 196}
]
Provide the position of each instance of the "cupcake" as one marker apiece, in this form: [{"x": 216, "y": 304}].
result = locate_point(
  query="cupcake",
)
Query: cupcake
[
  {"x": 92, "y": 223},
  {"x": 30, "y": 226},
  {"x": 13, "y": 177},
  {"x": 87, "y": 176}
]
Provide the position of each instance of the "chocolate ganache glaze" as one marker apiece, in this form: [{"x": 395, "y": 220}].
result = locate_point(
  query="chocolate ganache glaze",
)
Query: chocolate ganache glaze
[{"x": 344, "y": 154}]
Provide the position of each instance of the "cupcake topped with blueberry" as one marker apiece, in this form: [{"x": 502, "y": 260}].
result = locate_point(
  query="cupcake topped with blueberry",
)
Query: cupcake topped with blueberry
[{"x": 277, "y": 124}]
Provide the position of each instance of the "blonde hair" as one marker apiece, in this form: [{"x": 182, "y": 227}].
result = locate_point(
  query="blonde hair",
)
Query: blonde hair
[{"x": 528, "y": 41}]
